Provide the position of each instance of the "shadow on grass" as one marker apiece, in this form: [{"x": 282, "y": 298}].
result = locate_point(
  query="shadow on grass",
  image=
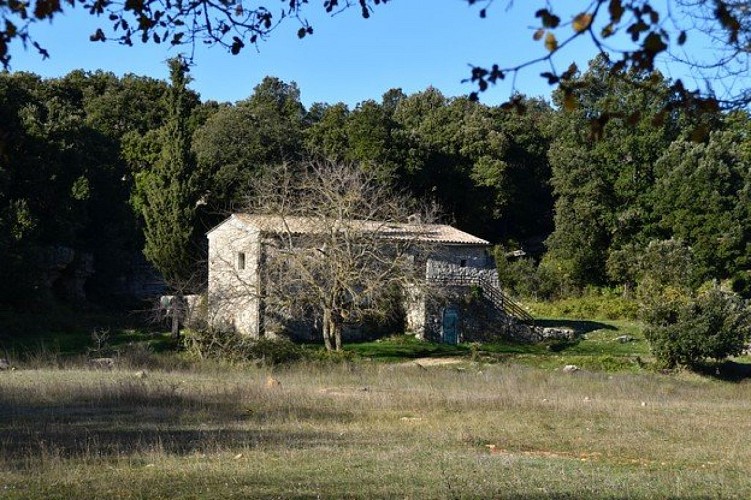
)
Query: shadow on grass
[
  {"x": 405, "y": 347},
  {"x": 25, "y": 445},
  {"x": 727, "y": 371},
  {"x": 132, "y": 423},
  {"x": 580, "y": 327}
]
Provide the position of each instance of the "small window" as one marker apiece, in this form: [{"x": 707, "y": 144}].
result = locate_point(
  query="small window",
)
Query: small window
[
  {"x": 240, "y": 260},
  {"x": 463, "y": 263}
]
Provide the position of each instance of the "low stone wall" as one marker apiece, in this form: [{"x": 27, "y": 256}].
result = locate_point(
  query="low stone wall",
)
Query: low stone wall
[
  {"x": 481, "y": 321},
  {"x": 193, "y": 309}
]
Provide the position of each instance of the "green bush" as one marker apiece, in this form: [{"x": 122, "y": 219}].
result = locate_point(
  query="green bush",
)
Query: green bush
[
  {"x": 689, "y": 330},
  {"x": 594, "y": 304},
  {"x": 554, "y": 277},
  {"x": 522, "y": 277}
]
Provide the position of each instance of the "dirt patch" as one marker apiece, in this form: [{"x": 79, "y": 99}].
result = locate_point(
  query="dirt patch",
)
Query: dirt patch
[
  {"x": 425, "y": 362},
  {"x": 345, "y": 391},
  {"x": 544, "y": 453}
]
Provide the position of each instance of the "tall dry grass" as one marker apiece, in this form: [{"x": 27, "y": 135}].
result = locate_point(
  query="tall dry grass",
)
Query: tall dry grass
[{"x": 371, "y": 430}]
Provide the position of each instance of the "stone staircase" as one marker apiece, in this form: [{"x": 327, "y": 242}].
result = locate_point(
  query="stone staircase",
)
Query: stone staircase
[{"x": 491, "y": 291}]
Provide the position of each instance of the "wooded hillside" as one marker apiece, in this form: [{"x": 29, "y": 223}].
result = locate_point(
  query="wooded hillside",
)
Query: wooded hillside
[{"x": 82, "y": 157}]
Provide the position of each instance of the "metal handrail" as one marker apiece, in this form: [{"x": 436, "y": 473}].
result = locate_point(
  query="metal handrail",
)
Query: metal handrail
[{"x": 494, "y": 293}]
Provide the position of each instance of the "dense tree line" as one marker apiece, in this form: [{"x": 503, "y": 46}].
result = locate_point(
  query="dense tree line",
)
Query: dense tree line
[{"x": 110, "y": 166}]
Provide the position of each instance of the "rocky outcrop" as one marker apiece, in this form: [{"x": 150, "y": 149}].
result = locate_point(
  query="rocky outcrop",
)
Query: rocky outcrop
[{"x": 65, "y": 272}]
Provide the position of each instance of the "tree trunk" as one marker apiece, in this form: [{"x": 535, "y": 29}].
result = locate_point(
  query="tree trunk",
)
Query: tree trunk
[
  {"x": 336, "y": 327},
  {"x": 327, "y": 329}
]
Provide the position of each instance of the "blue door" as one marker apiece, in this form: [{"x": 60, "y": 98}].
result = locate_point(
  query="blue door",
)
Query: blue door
[{"x": 450, "y": 326}]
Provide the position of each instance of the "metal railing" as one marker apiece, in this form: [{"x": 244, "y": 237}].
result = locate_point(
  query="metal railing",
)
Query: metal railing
[{"x": 491, "y": 291}]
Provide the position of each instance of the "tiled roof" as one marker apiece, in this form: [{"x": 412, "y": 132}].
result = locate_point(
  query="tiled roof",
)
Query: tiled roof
[{"x": 438, "y": 233}]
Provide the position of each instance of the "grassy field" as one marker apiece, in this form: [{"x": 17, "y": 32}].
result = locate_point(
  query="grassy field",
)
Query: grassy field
[
  {"x": 400, "y": 418},
  {"x": 371, "y": 429}
]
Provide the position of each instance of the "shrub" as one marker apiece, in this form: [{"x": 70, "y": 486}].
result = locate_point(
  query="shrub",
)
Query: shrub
[
  {"x": 273, "y": 351},
  {"x": 688, "y": 330},
  {"x": 518, "y": 276},
  {"x": 594, "y": 304},
  {"x": 554, "y": 276},
  {"x": 209, "y": 343}
]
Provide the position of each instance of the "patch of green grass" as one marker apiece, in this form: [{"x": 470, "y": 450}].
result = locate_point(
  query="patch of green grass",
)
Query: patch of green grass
[
  {"x": 596, "y": 348},
  {"x": 401, "y": 347},
  {"x": 64, "y": 333}
]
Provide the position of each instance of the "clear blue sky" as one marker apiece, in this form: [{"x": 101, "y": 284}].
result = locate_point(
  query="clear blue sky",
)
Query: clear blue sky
[{"x": 410, "y": 44}]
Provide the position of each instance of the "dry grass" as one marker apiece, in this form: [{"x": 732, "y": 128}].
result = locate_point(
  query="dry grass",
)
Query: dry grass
[{"x": 371, "y": 430}]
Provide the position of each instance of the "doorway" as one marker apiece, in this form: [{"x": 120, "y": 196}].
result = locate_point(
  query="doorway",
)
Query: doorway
[{"x": 450, "y": 326}]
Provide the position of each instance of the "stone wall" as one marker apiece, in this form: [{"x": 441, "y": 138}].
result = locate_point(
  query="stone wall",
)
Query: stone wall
[
  {"x": 448, "y": 264},
  {"x": 458, "y": 261},
  {"x": 481, "y": 321},
  {"x": 234, "y": 294},
  {"x": 140, "y": 281},
  {"x": 234, "y": 286}
]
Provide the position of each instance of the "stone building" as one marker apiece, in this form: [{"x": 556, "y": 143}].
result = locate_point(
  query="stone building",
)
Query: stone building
[{"x": 463, "y": 300}]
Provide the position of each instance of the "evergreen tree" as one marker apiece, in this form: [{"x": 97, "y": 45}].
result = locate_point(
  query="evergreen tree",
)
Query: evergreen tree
[
  {"x": 166, "y": 194},
  {"x": 602, "y": 159},
  {"x": 702, "y": 197}
]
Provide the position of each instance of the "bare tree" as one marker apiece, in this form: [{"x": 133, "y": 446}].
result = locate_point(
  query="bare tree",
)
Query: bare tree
[{"x": 342, "y": 244}]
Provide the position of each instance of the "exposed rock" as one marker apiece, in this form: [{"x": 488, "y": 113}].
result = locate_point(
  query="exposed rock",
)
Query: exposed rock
[
  {"x": 557, "y": 334},
  {"x": 625, "y": 339},
  {"x": 570, "y": 369},
  {"x": 532, "y": 334},
  {"x": 103, "y": 363},
  {"x": 66, "y": 271}
]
